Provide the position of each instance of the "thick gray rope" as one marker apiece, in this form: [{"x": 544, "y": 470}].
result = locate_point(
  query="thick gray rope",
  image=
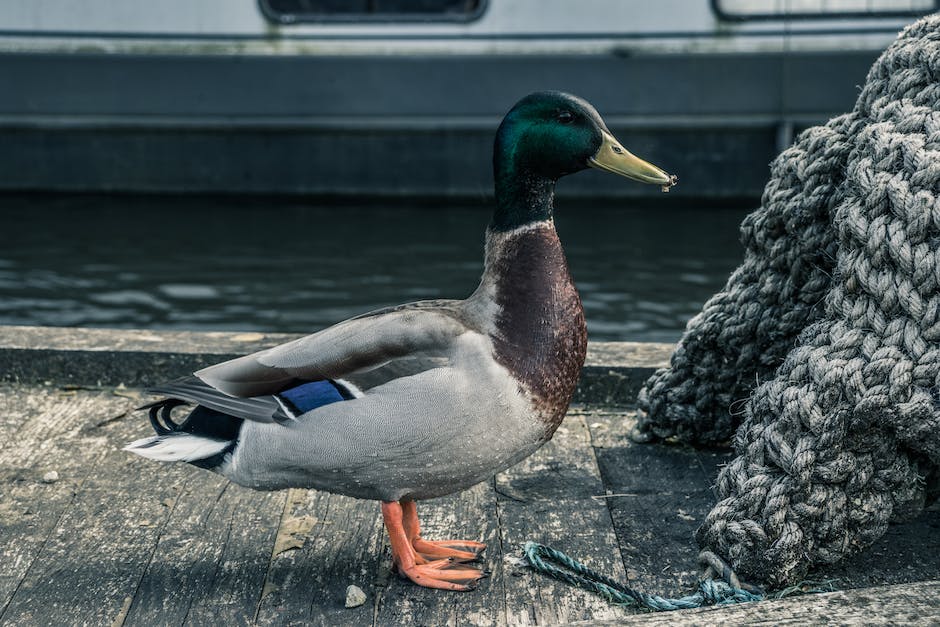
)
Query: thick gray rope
[
  {"x": 840, "y": 431},
  {"x": 744, "y": 332}
]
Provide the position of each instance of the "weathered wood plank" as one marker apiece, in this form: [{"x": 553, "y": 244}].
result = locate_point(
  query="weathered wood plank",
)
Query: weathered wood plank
[
  {"x": 34, "y": 417},
  {"x": 612, "y": 372},
  {"x": 51, "y": 434},
  {"x": 477, "y": 519},
  {"x": 167, "y": 341},
  {"x": 233, "y": 594},
  {"x": 470, "y": 515},
  {"x": 658, "y": 494},
  {"x": 325, "y": 543},
  {"x": 92, "y": 562},
  {"x": 548, "y": 498},
  {"x": 903, "y": 604},
  {"x": 15, "y": 413},
  {"x": 108, "y": 525},
  {"x": 212, "y": 554}
]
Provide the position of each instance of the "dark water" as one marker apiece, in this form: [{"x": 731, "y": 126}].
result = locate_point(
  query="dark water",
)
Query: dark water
[{"x": 197, "y": 263}]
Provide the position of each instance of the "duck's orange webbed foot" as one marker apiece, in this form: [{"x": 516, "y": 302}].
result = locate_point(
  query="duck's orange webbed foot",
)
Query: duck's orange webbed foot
[
  {"x": 459, "y": 550},
  {"x": 429, "y": 564}
]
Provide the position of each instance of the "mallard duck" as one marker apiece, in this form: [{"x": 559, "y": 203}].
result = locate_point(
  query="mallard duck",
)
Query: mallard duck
[{"x": 424, "y": 399}]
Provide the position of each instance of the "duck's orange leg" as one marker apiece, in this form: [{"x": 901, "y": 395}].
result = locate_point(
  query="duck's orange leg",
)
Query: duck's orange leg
[
  {"x": 459, "y": 550},
  {"x": 445, "y": 574}
]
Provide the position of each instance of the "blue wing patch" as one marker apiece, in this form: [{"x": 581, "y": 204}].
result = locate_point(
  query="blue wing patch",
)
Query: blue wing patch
[{"x": 307, "y": 396}]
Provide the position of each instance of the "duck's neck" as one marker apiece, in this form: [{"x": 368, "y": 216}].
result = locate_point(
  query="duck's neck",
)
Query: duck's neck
[{"x": 522, "y": 196}]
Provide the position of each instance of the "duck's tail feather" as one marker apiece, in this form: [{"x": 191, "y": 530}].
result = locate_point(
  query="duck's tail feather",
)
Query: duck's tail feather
[
  {"x": 178, "y": 447},
  {"x": 204, "y": 438}
]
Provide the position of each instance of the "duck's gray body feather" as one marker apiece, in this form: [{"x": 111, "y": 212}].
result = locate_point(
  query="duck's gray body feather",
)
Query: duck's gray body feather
[{"x": 419, "y": 436}]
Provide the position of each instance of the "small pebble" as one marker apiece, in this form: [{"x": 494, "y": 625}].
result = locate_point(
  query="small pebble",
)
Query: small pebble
[
  {"x": 50, "y": 477},
  {"x": 355, "y": 596}
]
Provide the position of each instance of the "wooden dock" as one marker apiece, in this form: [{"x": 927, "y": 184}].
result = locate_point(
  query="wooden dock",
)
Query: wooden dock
[{"x": 90, "y": 535}]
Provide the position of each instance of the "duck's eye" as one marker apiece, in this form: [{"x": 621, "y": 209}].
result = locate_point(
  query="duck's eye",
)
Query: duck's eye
[{"x": 566, "y": 117}]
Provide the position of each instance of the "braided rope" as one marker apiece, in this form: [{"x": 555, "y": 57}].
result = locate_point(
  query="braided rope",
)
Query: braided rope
[
  {"x": 830, "y": 330},
  {"x": 745, "y": 331},
  {"x": 710, "y": 592}
]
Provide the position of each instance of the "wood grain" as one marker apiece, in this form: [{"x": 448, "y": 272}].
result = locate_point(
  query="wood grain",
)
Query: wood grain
[
  {"x": 211, "y": 557},
  {"x": 43, "y": 431},
  {"x": 96, "y": 549}
]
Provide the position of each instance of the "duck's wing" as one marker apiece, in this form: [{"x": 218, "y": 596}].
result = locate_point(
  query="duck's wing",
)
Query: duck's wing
[
  {"x": 365, "y": 380},
  {"x": 412, "y": 336}
]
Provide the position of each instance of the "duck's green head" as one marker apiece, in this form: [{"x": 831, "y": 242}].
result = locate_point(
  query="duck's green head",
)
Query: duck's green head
[{"x": 545, "y": 136}]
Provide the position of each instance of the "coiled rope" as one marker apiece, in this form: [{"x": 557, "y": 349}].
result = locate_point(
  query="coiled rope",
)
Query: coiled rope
[{"x": 820, "y": 359}]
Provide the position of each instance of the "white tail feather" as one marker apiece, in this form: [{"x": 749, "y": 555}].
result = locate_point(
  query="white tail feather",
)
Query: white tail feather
[{"x": 178, "y": 447}]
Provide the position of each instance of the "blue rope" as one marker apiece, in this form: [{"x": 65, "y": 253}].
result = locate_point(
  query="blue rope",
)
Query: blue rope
[{"x": 710, "y": 591}]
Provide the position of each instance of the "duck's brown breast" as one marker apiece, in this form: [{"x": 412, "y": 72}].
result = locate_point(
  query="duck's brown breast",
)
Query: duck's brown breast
[{"x": 541, "y": 336}]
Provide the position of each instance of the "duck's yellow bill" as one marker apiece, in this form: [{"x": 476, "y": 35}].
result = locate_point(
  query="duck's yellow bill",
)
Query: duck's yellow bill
[{"x": 613, "y": 157}]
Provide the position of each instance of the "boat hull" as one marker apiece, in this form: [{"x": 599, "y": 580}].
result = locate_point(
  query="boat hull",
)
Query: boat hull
[{"x": 396, "y": 125}]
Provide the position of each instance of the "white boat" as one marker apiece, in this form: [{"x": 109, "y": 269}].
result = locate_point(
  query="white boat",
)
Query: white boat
[{"x": 398, "y": 97}]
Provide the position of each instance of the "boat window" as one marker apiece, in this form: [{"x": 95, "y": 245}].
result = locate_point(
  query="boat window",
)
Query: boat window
[
  {"x": 292, "y": 11},
  {"x": 808, "y": 9}
]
